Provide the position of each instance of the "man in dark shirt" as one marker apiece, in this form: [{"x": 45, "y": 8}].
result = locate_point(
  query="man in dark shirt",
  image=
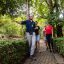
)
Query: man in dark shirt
[
  {"x": 30, "y": 34},
  {"x": 59, "y": 30},
  {"x": 30, "y": 25},
  {"x": 37, "y": 28}
]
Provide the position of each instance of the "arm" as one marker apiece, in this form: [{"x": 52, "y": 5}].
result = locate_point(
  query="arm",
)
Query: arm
[
  {"x": 23, "y": 22},
  {"x": 38, "y": 27},
  {"x": 18, "y": 22},
  {"x": 52, "y": 32}
]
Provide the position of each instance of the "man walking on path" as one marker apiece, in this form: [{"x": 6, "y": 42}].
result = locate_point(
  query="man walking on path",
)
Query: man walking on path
[
  {"x": 49, "y": 36},
  {"x": 30, "y": 34}
]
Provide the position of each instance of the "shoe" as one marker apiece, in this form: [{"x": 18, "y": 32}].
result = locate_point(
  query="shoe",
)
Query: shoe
[
  {"x": 50, "y": 50},
  {"x": 34, "y": 59},
  {"x": 47, "y": 48},
  {"x": 31, "y": 57}
]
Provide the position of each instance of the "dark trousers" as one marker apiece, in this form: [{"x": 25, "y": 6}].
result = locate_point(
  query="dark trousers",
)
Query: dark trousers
[{"x": 50, "y": 41}]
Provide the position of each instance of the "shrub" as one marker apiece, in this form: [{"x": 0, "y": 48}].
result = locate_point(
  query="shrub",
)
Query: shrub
[
  {"x": 12, "y": 52},
  {"x": 10, "y": 27},
  {"x": 59, "y": 43}
]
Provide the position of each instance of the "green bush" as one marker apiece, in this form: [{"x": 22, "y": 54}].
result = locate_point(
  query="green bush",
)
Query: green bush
[
  {"x": 10, "y": 27},
  {"x": 59, "y": 43},
  {"x": 12, "y": 52}
]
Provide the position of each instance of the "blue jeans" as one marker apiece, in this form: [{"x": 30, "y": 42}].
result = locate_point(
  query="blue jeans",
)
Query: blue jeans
[{"x": 37, "y": 38}]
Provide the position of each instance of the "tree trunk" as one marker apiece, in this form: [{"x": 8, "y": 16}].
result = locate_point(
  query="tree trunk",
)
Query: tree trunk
[
  {"x": 28, "y": 9},
  {"x": 51, "y": 8},
  {"x": 59, "y": 24}
]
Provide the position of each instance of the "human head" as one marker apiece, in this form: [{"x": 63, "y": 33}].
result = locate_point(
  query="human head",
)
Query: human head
[{"x": 30, "y": 17}]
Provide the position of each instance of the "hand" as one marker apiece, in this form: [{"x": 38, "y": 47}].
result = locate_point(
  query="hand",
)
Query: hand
[{"x": 36, "y": 28}]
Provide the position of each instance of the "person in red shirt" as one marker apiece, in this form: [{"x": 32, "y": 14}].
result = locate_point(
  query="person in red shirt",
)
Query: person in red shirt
[{"x": 49, "y": 35}]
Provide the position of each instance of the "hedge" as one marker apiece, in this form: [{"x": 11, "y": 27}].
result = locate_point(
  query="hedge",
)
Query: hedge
[
  {"x": 13, "y": 52},
  {"x": 59, "y": 45}
]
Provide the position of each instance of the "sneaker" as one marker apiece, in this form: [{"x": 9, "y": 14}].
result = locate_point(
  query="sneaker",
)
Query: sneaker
[
  {"x": 47, "y": 48},
  {"x": 34, "y": 59},
  {"x": 50, "y": 50},
  {"x": 31, "y": 56}
]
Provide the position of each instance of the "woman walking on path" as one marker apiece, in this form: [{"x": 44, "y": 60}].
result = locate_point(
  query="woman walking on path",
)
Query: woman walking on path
[
  {"x": 37, "y": 28},
  {"x": 49, "y": 36}
]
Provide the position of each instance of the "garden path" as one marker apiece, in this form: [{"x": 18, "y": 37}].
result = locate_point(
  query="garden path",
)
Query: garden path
[{"x": 45, "y": 57}]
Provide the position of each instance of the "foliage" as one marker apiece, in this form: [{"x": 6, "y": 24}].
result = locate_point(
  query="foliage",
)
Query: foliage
[
  {"x": 12, "y": 29},
  {"x": 13, "y": 51},
  {"x": 8, "y": 26},
  {"x": 7, "y": 6},
  {"x": 59, "y": 43},
  {"x": 46, "y": 9}
]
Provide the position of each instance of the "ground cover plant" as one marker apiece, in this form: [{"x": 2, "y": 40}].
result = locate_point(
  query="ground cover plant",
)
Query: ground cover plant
[
  {"x": 59, "y": 45},
  {"x": 12, "y": 52}
]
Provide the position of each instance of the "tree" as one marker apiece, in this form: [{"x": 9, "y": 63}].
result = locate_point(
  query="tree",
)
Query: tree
[
  {"x": 55, "y": 5},
  {"x": 47, "y": 9}
]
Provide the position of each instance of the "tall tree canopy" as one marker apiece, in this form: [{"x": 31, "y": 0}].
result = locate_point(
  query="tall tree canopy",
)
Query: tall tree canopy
[{"x": 46, "y": 9}]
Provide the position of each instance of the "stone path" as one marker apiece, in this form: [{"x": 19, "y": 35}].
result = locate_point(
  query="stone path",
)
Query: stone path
[
  {"x": 44, "y": 57},
  {"x": 59, "y": 59}
]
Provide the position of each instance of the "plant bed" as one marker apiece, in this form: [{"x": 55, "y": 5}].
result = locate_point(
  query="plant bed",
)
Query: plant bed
[
  {"x": 59, "y": 45},
  {"x": 13, "y": 51}
]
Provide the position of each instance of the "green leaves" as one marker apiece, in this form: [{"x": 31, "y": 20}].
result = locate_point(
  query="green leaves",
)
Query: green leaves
[
  {"x": 13, "y": 52},
  {"x": 8, "y": 26},
  {"x": 7, "y": 5},
  {"x": 59, "y": 42}
]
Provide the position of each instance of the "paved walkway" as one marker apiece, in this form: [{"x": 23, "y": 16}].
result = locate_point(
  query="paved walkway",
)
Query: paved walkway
[{"x": 45, "y": 57}]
